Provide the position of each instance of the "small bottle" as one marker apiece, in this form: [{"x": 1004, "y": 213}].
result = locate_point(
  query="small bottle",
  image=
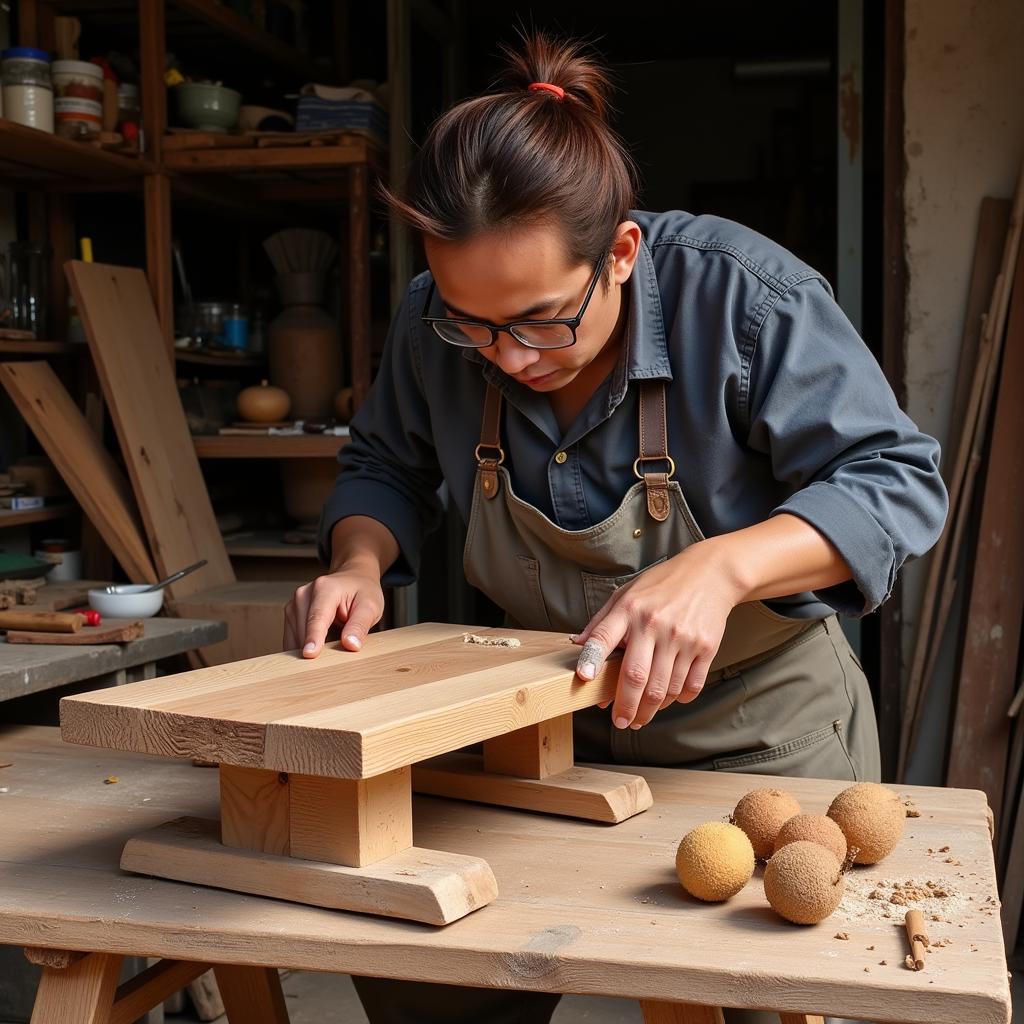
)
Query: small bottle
[{"x": 236, "y": 327}]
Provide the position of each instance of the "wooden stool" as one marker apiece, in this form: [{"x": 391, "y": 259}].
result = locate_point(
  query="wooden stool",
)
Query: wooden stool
[{"x": 318, "y": 760}]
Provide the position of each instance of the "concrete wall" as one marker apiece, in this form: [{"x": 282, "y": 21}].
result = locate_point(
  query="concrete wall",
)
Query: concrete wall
[{"x": 964, "y": 139}]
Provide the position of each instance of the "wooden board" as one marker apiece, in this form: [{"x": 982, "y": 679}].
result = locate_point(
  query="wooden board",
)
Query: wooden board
[
  {"x": 995, "y": 610},
  {"x": 87, "y": 467},
  {"x": 138, "y": 382},
  {"x": 410, "y": 694},
  {"x": 581, "y": 908},
  {"x": 112, "y": 631}
]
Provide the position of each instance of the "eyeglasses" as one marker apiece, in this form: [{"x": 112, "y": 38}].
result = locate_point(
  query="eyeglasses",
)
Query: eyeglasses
[{"x": 545, "y": 334}]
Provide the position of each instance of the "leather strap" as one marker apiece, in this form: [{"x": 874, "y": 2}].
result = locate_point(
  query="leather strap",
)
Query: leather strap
[
  {"x": 489, "y": 453},
  {"x": 654, "y": 449}
]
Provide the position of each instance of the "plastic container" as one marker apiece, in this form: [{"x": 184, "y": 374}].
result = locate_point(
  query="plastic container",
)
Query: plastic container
[
  {"x": 78, "y": 99},
  {"x": 236, "y": 327},
  {"x": 27, "y": 87}
]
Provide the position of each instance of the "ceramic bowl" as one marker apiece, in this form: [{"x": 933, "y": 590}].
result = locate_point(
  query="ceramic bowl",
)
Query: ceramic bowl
[
  {"x": 209, "y": 108},
  {"x": 127, "y": 603}
]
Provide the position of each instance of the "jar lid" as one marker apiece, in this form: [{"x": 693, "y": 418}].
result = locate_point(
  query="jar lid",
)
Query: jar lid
[
  {"x": 76, "y": 67},
  {"x": 25, "y": 53}
]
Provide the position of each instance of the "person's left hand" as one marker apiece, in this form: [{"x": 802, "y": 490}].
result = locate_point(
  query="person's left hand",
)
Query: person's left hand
[{"x": 670, "y": 620}]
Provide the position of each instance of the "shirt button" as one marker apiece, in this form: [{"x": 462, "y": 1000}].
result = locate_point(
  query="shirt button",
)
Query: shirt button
[{"x": 561, "y": 457}]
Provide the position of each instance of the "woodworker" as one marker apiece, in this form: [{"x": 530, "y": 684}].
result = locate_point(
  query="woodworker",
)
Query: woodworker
[{"x": 663, "y": 434}]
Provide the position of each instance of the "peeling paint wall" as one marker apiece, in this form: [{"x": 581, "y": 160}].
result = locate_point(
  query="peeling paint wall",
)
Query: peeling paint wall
[{"x": 964, "y": 139}]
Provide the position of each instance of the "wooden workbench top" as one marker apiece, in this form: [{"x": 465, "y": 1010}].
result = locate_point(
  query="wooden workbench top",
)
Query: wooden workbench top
[
  {"x": 409, "y": 695},
  {"x": 582, "y": 907}
]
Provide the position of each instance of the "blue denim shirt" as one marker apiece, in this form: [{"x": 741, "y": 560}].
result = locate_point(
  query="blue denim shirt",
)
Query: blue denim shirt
[{"x": 774, "y": 405}]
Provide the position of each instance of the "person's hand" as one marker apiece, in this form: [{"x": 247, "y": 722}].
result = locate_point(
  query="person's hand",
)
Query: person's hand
[
  {"x": 351, "y": 597},
  {"x": 670, "y": 620}
]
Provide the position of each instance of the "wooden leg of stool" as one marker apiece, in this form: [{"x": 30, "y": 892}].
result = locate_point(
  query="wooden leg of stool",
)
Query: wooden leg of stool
[
  {"x": 536, "y": 752},
  {"x": 679, "y": 1013},
  {"x": 252, "y": 995},
  {"x": 82, "y": 993},
  {"x": 800, "y": 1018}
]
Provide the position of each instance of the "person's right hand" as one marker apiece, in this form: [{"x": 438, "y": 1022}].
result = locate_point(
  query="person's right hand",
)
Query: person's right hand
[{"x": 351, "y": 597}]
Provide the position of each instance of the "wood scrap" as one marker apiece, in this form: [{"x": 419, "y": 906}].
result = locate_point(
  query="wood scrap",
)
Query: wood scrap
[
  {"x": 45, "y": 622},
  {"x": 942, "y": 566},
  {"x": 995, "y": 611},
  {"x": 113, "y": 631},
  {"x": 128, "y": 349}
]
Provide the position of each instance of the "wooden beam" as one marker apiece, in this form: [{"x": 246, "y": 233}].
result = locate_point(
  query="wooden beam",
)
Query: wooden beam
[
  {"x": 351, "y": 821},
  {"x": 252, "y": 995},
  {"x": 535, "y": 752},
  {"x": 82, "y": 993},
  {"x": 254, "y": 808},
  {"x": 679, "y": 1013},
  {"x": 151, "y": 987}
]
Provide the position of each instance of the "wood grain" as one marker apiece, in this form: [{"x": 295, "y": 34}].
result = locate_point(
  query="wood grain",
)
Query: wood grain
[
  {"x": 128, "y": 348},
  {"x": 578, "y": 792},
  {"x": 582, "y": 908},
  {"x": 252, "y": 995},
  {"x": 534, "y": 752},
  {"x": 82, "y": 993},
  {"x": 151, "y": 987},
  {"x": 680, "y": 1013},
  {"x": 86, "y": 466},
  {"x": 408, "y": 695},
  {"x": 415, "y": 885},
  {"x": 254, "y": 809},
  {"x": 351, "y": 821}
]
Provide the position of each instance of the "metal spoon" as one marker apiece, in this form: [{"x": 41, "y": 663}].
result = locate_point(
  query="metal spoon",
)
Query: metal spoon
[{"x": 173, "y": 578}]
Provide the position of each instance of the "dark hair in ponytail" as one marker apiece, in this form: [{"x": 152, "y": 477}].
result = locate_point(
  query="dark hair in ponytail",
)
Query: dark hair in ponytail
[{"x": 515, "y": 156}]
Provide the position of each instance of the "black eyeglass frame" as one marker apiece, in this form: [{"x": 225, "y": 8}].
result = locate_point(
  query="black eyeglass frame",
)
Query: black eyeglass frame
[{"x": 571, "y": 322}]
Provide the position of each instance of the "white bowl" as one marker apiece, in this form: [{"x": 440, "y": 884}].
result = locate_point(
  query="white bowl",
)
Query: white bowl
[{"x": 128, "y": 602}]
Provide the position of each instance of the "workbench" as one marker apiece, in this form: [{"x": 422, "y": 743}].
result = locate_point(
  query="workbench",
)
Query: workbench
[
  {"x": 30, "y": 668},
  {"x": 583, "y": 907}
]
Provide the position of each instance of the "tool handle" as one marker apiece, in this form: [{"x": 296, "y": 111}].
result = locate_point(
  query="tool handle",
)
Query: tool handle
[{"x": 42, "y": 622}]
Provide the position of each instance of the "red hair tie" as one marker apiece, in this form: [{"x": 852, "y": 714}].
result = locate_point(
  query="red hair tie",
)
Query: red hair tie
[{"x": 555, "y": 90}]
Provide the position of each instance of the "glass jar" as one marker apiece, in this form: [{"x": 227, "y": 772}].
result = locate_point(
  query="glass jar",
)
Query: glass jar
[
  {"x": 77, "y": 99},
  {"x": 27, "y": 87}
]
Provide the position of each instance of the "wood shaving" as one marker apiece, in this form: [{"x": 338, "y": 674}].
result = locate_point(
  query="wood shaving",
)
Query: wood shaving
[
  {"x": 909, "y": 963},
  {"x": 110, "y": 780},
  {"x": 491, "y": 641},
  {"x": 842, "y": 935}
]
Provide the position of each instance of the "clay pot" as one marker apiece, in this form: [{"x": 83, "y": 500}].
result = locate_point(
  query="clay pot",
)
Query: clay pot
[
  {"x": 304, "y": 347},
  {"x": 306, "y": 484},
  {"x": 263, "y": 404}
]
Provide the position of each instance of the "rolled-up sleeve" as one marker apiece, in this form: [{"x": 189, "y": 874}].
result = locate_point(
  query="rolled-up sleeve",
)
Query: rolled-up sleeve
[
  {"x": 389, "y": 468},
  {"x": 862, "y": 473}
]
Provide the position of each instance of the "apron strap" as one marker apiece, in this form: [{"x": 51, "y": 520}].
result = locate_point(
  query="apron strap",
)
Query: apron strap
[
  {"x": 654, "y": 449},
  {"x": 489, "y": 453}
]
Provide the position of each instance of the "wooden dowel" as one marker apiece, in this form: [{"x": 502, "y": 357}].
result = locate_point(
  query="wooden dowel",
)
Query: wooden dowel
[
  {"x": 917, "y": 935},
  {"x": 42, "y": 622}
]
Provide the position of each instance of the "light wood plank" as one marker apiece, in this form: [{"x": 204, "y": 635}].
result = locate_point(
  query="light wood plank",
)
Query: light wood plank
[
  {"x": 127, "y": 346},
  {"x": 252, "y": 995},
  {"x": 86, "y": 466},
  {"x": 81, "y": 993},
  {"x": 534, "y": 752},
  {"x": 351, "y": 821},
  {"x": 254, "y": 809},
  {"x": 151, "y": 987},
  {"x": 416, "y": 884},
  {"x": 579, "y": 792},
  {"x": 582, "y": 908},
  {"x": 801, "y": 1018}
]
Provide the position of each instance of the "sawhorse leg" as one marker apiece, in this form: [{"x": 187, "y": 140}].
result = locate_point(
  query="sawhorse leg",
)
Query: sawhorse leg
[{"x": 81, "y": 988}]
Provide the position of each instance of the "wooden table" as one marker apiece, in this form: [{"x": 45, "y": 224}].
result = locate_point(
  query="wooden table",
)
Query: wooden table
[
  {"x": 583, "y": 908},
  {"x": 319, "y": 758},
  {"x": 30, "y": 668}
]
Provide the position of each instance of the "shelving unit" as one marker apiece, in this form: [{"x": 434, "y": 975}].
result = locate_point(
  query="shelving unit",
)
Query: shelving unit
[
  {"x": 11, "y": 517},
  {"x": 299, "y": 446}
]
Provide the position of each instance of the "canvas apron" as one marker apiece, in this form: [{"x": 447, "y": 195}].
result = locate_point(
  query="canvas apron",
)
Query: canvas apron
[{"x": 784, "y": 696}]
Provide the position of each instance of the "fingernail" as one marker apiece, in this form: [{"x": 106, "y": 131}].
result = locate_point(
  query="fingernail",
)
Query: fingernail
[
  {"x": 353, "y": 641},
  {"x": 586, "y": 671},
  {"x": 309, "y": 648},
  {"x": 621, "y": 722}
]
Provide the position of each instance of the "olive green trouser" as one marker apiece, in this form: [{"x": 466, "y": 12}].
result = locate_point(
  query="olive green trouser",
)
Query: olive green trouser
[{"x": 811, "y": 704}]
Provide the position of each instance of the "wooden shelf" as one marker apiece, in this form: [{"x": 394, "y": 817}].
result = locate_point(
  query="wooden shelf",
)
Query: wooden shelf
[
  {"x": 31, "y": 157},
  {"x": 297, "y": 446},
  {"x": 10, "y": 517},
  {"x": 266, "y": 544},
  {"x": 40, "y": 348},
  {"x": 205, "y": 359},
  {"x": 192, "y": 20}
]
